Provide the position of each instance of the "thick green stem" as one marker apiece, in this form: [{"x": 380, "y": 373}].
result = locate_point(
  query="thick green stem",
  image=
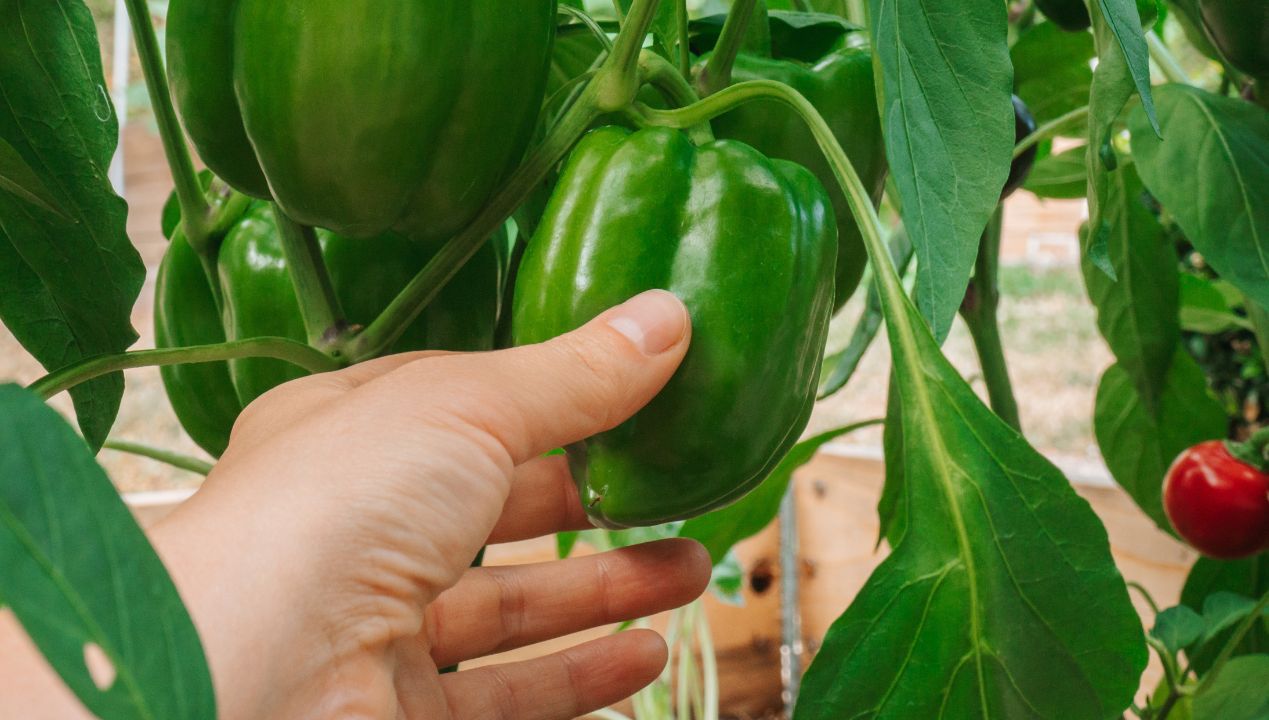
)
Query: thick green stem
[
  {"x": 980, "y": 310},
  {"x": 319, "y": 307},
  {"x": 1163, "y": 57},
  {"x": 685, "y": 53},
  {"x": 657, "y": 72},
  {"x": 167, "y": 457},
  {"x": 1049, "y": 130},
  {"x": 617, "y": 82},
  {"x": 717, "y": 73},
  {"x": 384, "y": 331},
  {"x": 196, "y": 212},
  {"x": 296, "y": 353}
]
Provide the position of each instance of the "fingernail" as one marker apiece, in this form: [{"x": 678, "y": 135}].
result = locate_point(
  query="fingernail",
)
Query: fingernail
[{"x": 654, "y": 321}]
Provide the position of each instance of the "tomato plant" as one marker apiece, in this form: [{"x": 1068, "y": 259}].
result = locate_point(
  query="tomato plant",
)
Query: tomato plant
[{"x": 371, "y": 193}]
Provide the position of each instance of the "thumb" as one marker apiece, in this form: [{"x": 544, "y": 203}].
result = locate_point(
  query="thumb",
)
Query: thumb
[{"x": 539, "y": 397}]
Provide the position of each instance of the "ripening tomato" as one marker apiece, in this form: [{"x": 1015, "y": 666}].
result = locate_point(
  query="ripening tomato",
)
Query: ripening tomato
[{"x": 1218, "y": 503}]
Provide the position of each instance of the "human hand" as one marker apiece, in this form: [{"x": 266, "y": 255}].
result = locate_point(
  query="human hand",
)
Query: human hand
[{"x": 325, "y": 560}]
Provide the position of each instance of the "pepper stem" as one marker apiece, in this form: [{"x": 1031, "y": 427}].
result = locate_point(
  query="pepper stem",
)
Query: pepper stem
[
  {"x": 617, "y": 82},
  {"x": 319, "y": 306},
  {"x": 196, "y": 212},
  {"x": 195, "y": 465},
  {"x": 657, "y": 72},
  {"x": 717, "y": 72},
  {"x": 285, "y": 349},
  {"x": 979, "y": 310},
  {"x": 1049, "y": 130}
]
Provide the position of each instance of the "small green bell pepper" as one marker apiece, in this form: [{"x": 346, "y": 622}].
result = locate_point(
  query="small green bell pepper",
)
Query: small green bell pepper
[
  {"x": 749, "y": 244},
  {"x": 842, "y": 88},
  {"x": 259, "y": 300},
  {"x": 363, "y": 117}
]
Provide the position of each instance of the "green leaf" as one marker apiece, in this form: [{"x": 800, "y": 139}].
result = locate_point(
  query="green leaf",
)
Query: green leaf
[
  {"x": 68, "y": 286},
  {"x": 1052, "y": 72},
  {"x": 804, "y": 36},
  {"x": 1211, "y": 171},
  {"x": 728, "y": 580},
  {"x": 1206, "y": 309},
  {"x": 1000, "y": 599},
  {"x": 1222, "y": 611},
  {"x": 1062, "y": 176},
  {"x": 1248, "y": 577},
  {"x": 1238, "y": 693},
  {"x": 1137, "y": 313},
  {"x": 948, "y": 123},
  {"x": 77, "y": 571},
  {"x": 18, "y": 178},
  {"x": 1140, "y": 443},
  {"x": 720, "y": 530},
  {"x": 565, "y": 542},
  {"x": 1124, "y": 21},
  {"x": 1178, "y": 627}
]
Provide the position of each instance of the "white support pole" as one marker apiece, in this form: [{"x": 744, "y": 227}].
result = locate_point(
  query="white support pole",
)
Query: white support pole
[{"x": 119, "y": 80}]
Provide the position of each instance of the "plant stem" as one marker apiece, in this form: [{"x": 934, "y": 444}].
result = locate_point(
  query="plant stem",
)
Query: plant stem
[
  {"x": 980, "y": 311},
  {"x": 717, "y": 73},
  {"x": 1145, "y": 595},
  {"x": 277, "y": 348},
  {"x": 617, "y": 82},
  {"x": 657, "y": 72},
  {"x": 1235, "y": 640},
  {"x": 319, "y": 307},
  {"x": 590, "y": 24},
  {"x": 384, "y": 331},
  {"x": 1163, "y": 57},
  {"x": 1048, "y": 130},
  {"x": 196, "y": 212},
  {"x": 167, "y": 457},
  {"x": 685, "y": 54}
]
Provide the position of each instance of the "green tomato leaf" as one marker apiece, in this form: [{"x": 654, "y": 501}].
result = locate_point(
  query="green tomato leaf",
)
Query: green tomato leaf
[
  {"x": 1137, "y": 313},
  {"x": 1206, "y": 309},
  {"x": 949, "y": 128},
  {"x": 68, "y": 284},
  {"x": 1139, "y": 441},
  {"x": 1219, "y": 148},
  {"x": 78, "y": 572},
  {"x": 1248, "y": 577},
  {"x": 1000, "y": 599},
  {"x": 720, "y": 530},
  {"x": 1178, "y": 627},
  {"x": 1237, "y": 693},
  {"x": 18, "y": 178},
  {"x": 1062, "y": 176},
  {"x": 1052, "y": 72}
]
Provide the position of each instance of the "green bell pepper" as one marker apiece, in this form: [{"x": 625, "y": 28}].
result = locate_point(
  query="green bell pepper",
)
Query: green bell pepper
[
  {"x": 842, "y": 88},
  {"x": 259, "y": 300},
  {"x": 1240, "y": 31},
  {"x": 363, "y": 117},
  {"x": 749, "y": 244}
]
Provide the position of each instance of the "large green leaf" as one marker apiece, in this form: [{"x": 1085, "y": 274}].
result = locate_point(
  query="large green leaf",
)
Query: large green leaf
[
  {"x": 18, "y": 178},
  {"x": 1061, "y": 176},
  {"x": 948, "y": 124},
  {"x": 720, "y": 530},
  {"x": 1137, "y": 311},
  {"x": 67, "y": 286},
  {"x": 1208, "y": 578},
  {"x": 1211, "y": 171},
  {"x": 77, "y": 571},
  {"x": 1053, "y": 72},
  {"x": 1000, "y": 599},
  {"x": 1139, "y": 441},
  {"x": 1238, "y": 693}
]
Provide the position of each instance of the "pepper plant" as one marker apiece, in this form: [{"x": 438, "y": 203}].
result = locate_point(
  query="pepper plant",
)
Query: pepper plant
[{"x": 532, "y": 164}]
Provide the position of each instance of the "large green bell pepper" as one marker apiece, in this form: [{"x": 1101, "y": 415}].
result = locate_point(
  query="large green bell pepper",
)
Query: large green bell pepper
[
  {"x": 842, "y": 88},
  {"x": 749, "y": 244},
  {"x": 259, "y": 300},
  {"x": 1240, "y": 31},
  {"x": 363, "y": 117}
]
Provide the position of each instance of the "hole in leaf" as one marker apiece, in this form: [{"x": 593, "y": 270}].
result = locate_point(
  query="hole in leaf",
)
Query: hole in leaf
[{"x": 100, "y": 669}]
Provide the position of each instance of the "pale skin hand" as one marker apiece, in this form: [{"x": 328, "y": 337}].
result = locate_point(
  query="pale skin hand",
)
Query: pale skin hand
[{"x": 325, "y": 561}]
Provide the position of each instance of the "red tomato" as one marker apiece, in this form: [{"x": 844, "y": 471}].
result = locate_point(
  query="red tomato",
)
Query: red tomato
[{"x": 1217, "y": 503}]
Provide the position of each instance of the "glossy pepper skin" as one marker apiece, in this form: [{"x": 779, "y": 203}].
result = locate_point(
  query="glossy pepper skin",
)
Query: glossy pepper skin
[
  {"x": 185, "y": 314},
  {"x": 259, "y": 300},
  {"x": 1217, "y": 503},
  {"x": 1020, "y": 170},
  {"x": 748, "y": 243},
  {"x": 364, "y": 116},
  {"x": 842, "y": 87},
  {"x": 1240, "y": 31}
]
